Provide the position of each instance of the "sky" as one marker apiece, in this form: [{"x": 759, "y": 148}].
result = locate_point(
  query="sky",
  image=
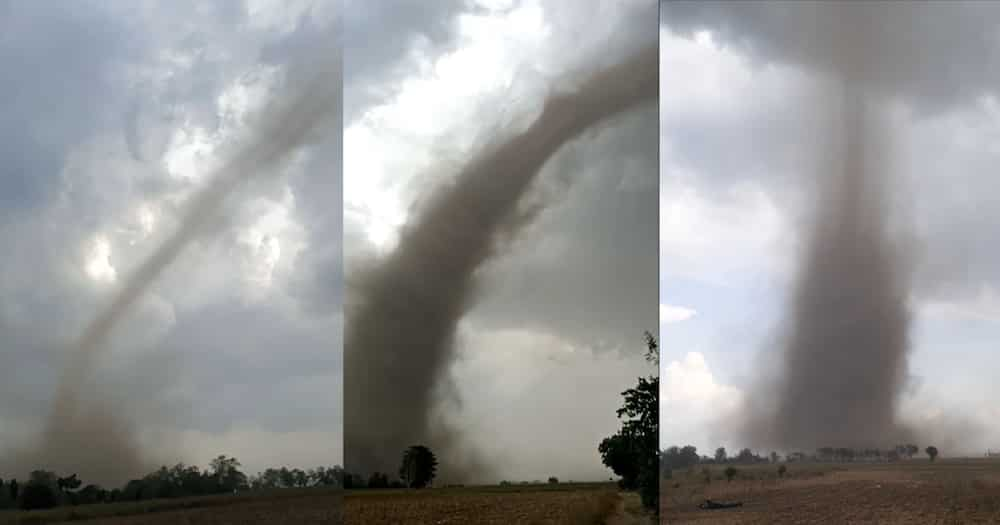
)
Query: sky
[
  {"x": 740, "y": 122},
  {"x": 115, "y": 115},
  {"x": 552, "y": 340}
]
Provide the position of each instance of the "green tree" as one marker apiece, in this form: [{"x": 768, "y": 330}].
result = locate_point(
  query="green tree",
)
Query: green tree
[
  {"x": 730, "y": 473},
  {"x": 620, "y": 454},
  {"x": 227, "y": 475},
  {"x": 419, "y": 466},
  {"x": 633, "y": 453},
  {"x": 720, "y": 455},
  {"x": 931, "y": 451}
]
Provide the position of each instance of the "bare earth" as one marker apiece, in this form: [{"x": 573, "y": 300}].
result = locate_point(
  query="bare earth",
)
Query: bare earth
[
  {"x": 563, "y": 504},
  {"x": 913, "y": 491}
]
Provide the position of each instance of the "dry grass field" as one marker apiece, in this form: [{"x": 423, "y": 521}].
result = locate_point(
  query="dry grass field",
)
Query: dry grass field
[
  {"x": 914, "y": 491},
  {"x": 291, "y": 506},
  {"x": 564, "y": 503}
]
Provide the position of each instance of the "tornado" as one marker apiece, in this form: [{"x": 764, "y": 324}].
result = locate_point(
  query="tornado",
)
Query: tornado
[
  {"x": 844, "y": 354},
  {"x": 91, "y": 440},
  {"x": 402, "y": 317}
]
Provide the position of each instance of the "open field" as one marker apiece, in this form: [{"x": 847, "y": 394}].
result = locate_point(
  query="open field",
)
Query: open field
[
  {"x": 307, "y": 506},
  {"x": 563, "y": 503},
  {"x": 913, "y": 491}
]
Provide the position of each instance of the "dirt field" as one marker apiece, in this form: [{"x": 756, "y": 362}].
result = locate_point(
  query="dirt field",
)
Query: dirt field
[
  {"x": 292, "y": 506},
  {"x": 914, "y": 491},
  {"x": 565, "y": 503}
]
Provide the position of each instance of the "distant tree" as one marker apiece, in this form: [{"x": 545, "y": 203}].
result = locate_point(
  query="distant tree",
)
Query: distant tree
[
  {"x": 781, "y": 471},
  {"x": 68, "y": 483},
  {"x": 774, "y": 457},
  {"x": 378, "y": 480},
  {"x": 911, "y": 450},
  {"x": 38, "y": 494},
  {"x": 745, "y": 456},
  {"x": 553, "y": 480},
  {"x": 14, "y": 489},
  {"x": 505, "y": 483},
  {"x": 419, "y": 466},
  {"x": 931, "y": 451},
  {"x": 227, "y": 475},
  {"x": 90, "y": 494},
  {"x": 720, "y": 455},
  {"x": 730, "y": 473}
]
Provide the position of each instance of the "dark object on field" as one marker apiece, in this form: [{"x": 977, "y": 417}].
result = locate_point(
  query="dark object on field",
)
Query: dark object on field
[{"x": 713, "y": 505}]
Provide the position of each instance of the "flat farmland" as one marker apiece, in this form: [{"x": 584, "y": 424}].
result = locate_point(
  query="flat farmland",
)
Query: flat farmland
[
  {"x": 564, "y": 503},
  {"x": 319, "y": 505},
  {"x": 912, "y": 491}
]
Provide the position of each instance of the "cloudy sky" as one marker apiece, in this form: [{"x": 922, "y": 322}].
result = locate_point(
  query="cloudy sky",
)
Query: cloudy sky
[
  {"x": 739, "y": 95},
  {"x": 115, "y": 114},
  {"x": 556, "y": 333}
]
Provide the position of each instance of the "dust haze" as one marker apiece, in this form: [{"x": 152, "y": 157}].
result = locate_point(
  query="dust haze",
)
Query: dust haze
[
  {"x": 87, "y": 438},
  {"x": 402, "y": 315}
]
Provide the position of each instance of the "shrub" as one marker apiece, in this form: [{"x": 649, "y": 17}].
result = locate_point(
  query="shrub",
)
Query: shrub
[
  {"x": 781, "y": 471},
  {"x": 37, "y": 496},
  {"x": 731, "y": 473}
]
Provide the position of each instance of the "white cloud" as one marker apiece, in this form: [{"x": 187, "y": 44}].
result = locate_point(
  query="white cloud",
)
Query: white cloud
[
  {"x": 675, "y": 314},
  {"x": 699, "y": 234},
  {"x": 984, "y": 306},
  {"x": 98, "y": 265},
  {"x": 690, "y": 400}
]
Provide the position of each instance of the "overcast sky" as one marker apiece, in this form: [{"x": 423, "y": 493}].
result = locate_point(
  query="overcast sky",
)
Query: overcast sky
[
  {"x": 556, "y": 334},
  {"x": 739, "y": 97},
  {"x": 114, "y": 113}
]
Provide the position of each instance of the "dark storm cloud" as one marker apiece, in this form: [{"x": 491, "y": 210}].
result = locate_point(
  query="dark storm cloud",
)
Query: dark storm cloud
[
  {"x": 41, "y": 47},
  {"x": 936, "y": 54},
  {"x": 940, "y": 59}
]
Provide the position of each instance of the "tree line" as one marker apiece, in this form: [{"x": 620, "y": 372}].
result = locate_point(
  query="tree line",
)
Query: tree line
[
  {"x": 45, "y": 489},
  {"x": 679, "y": 458}
]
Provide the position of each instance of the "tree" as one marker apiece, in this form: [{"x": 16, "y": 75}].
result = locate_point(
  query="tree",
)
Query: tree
[
  {"x": 774, "y": 457},
  {"x": 911, "y": 449},
  {"x": 419, "y": 466},
  {"x": 227, "y": 475},
  {"x": 781, "y": 471},
  {"x": 553, "y": 480},
  {"x": 730, "y": 473},
  {"x": 720, "y": 455},
  {"x": 635, "y": 448},
  {"x": 378, "y": 480},
  {"x": 68, "y": 483},
  {"x": 932, "y": 451},
  {"x": 620, "y": 455}
]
